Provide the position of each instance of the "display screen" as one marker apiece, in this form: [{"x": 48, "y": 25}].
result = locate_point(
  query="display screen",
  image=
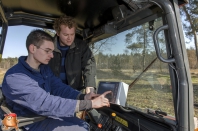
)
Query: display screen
[{"x": 109, "y": 86}]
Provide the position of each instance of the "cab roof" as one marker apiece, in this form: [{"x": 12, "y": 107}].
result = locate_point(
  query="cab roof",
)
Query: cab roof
[{"x": 90, "y": 15}]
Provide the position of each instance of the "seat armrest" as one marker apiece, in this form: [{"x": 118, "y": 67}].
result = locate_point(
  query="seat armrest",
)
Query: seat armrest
[
  {"x": 21, "y": 121},
  {"x": 5, "y": 108}
]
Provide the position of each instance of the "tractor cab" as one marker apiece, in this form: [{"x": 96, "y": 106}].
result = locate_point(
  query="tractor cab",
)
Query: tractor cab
[{"x": 140, "y": 55}]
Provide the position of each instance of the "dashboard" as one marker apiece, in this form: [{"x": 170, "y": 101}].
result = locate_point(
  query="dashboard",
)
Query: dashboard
[
  {"x": 114, "y": 118},
  {"x": 119, "y": 118}
]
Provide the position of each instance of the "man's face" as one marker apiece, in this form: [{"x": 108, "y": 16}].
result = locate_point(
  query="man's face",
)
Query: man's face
[
  {"x": 66, "y": 35},
  {"x": 44, "y": 53}
]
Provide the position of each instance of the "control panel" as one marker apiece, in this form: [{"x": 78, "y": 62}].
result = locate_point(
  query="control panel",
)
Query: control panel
[
  {"x": 105, "y": 123},
  {"x": 114, "y": 118},
  {"x": 119, "y": 91},
  {"x": 100, "y": 121}
]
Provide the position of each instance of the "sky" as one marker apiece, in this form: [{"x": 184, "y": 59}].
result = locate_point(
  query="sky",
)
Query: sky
[
  {"x": 15, "y": 41},
  {"x": 16, "y": 38}
]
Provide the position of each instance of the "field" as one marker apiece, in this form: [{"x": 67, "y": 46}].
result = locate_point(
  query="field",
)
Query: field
[
  {"x": 2, "y": 73},
  {"x": 153, "y": 90},
  {"x": 149, "y": 92}
]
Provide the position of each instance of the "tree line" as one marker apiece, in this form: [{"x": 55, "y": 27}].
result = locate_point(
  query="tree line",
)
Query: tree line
[
  {"x": 119, "y": 62},
  {"x": 189, "y": 14}
]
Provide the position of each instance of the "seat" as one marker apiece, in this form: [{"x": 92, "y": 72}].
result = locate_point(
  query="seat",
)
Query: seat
[{"x": 6, "y": 112}]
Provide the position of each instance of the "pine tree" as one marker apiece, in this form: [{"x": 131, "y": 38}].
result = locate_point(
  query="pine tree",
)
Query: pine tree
[{"x": 190, "y": 14}]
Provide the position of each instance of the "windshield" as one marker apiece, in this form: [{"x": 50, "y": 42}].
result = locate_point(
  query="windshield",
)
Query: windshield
[{"x": 130, "y": 57}]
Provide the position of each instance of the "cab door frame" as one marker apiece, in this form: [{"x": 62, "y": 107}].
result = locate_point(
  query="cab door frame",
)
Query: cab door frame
[{"x": 4, "y": 29}]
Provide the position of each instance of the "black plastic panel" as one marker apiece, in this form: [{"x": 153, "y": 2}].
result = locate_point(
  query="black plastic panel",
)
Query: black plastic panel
[{"x": 128, "y": 121}]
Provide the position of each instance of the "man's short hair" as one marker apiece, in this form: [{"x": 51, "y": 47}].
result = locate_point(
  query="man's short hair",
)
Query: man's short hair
[
  {"x": 64, "y": 20},
  {"x": 36, "y": 37}
]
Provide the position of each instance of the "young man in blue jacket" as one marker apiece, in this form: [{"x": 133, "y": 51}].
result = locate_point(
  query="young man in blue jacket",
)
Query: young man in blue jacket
[{"x": 31, "y": 88}]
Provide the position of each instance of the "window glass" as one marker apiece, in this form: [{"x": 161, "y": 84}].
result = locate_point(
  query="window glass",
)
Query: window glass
[
  {"x": 130, "y": 57},
  {"x": 14, "y": 47},
  {"x": 127, "y": 57}
]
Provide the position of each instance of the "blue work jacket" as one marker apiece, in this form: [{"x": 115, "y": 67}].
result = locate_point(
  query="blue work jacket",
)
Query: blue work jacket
[{"x": 30, "y": 92}]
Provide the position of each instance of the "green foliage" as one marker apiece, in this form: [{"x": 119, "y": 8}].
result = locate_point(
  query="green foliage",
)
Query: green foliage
[
  {"x": 6, "y": 63},
  {"x": 141, "y": 38},
  {"x": 103, "y": 45},
  {"x": 190, "y": 14},
  {"x": 116, "y": 66},
  {"x": 192, "y": 58}
]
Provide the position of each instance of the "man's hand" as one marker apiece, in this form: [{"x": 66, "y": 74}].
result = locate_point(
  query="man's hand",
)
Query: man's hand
[
  {"x": 101, "y": 101},
  {"x": 89, "y": 89},
  {"x": 91, "y": 96}
]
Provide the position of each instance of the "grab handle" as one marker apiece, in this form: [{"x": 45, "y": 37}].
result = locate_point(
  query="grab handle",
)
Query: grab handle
[{"x": 156, "y": 43}]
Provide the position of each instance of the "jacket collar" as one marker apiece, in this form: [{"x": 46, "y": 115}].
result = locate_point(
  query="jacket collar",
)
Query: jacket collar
[{"x": 22, "y": 60}]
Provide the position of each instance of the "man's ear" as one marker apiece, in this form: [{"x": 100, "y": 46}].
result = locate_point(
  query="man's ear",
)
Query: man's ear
[
  {"x": 57, "y": 33},
  {"x": 32, "y": 48}
]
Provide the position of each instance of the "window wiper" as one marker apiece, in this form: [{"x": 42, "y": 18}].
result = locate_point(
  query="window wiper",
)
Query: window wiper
[
  {"x": 163, "y": 117},
  {"x": 160, "y": 114},
  {"x": 142, "y": 73},
  {"x": 157, "y": 112}
]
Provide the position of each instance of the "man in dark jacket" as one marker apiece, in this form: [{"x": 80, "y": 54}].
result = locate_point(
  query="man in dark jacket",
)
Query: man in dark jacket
[
  {"x": 73, "y": 60},
  {"x": 31, "y": 88}
]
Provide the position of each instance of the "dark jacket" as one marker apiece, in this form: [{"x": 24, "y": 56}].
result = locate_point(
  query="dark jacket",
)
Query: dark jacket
[
  {"x": 31, "y": 92},
  {"x": 79, "y": 64}
]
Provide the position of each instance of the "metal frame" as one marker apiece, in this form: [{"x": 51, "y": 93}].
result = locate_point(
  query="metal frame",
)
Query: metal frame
[
  {"x": 183, "y": 89},
  {"x": 177, "y": 56},
  {"x": 4, "y": 30}
]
